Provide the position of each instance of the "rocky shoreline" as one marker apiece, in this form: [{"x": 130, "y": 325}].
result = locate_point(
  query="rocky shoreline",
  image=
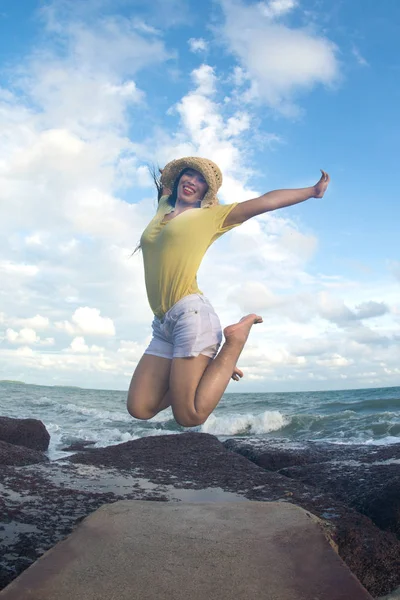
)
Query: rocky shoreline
[{"x": 355, "y": 490}]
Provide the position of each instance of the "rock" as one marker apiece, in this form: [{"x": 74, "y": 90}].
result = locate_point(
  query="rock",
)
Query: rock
[
  {"x": 10, "y": 454},
  {"x": 274, "y": 457},
  {"x": 278, "y": 454},
  {"x": 44, "y": 502},
  {"x": 371, "y": 489},
  {"x": 29, "y": 433},
  {"x": 365, "y": 477}
]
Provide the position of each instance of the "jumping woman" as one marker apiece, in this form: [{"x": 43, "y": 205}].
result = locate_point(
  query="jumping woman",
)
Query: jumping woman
[{"x": 182, "y": 367}]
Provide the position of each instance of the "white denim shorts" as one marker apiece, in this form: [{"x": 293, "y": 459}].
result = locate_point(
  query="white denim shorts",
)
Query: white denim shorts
[{"x": 191, "y": 327}]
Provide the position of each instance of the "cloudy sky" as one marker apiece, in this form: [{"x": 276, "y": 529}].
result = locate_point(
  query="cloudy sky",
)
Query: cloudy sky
[{"x": 93, "y": 92}]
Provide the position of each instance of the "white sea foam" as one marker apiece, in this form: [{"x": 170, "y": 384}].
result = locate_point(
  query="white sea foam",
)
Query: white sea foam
[
  {"x": 103, "y": 415},
  {"x": 385, "y": 441},
  {"x": 236, "y": 424},
  {"x": 56, "y": 436},
  {"x": 108, "y": 437},
  {"x": 43, "y": 401},
  {"x": 163, "y": 416}
]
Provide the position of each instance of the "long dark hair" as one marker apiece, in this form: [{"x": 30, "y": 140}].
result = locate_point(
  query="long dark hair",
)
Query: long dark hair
[{"x": 156, "y": 177}]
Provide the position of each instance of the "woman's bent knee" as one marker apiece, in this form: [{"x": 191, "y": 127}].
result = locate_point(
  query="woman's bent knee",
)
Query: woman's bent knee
[
  {"x": 139, "y": 412},
  {"x": 187, "y": 418}
]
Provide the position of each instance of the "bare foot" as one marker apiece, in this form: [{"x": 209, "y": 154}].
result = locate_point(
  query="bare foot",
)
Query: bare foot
[
  {"x": 237, "y": 374},
  {"x": 240, "y": 331}
]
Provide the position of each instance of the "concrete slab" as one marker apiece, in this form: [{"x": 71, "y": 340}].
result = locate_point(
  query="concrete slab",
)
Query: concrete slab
[{"x": 198, "y": 551}]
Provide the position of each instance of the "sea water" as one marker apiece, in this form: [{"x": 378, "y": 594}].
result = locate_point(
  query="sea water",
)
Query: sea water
[{"x": 366, "y": 416}]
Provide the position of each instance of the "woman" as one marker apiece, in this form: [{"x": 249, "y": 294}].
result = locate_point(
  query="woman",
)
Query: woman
[{"x": 181, "y": 367}]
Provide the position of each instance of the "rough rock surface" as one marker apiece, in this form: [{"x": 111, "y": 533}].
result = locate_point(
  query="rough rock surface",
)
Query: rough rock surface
[
  {"x": 366, "y": 478},
  {"x": 42, "y": 503},
  {"x": 30, "y": 433},
  {"x": 278, "y": 454},
  {"x": 373, "y": 490},
  {"x": 11, "y": 454}
]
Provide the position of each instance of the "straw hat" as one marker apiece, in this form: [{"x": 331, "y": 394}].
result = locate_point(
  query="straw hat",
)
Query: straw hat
[{"x": 206, "y": 167}]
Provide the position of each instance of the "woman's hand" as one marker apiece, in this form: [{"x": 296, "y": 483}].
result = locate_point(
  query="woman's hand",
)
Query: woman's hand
[{"x": 319, "y": 188}]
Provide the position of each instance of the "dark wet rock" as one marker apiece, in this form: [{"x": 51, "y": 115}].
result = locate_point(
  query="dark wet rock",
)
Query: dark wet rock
[
  {"x": 278, "y": 454},
  {"x": 42, "y": 503},
  {"x": 10, "y": 454},
  {"x": 371, "y": 489},
  {"x": 365, "y": 477},
  {"x": 274, "y": 456},
  {"x": 78, "y": 446},
  {"x": 29, "y": 433}
]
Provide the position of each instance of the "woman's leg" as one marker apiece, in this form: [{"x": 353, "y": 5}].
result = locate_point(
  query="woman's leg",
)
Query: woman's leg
[
  {"x": 196, "y": 384},
  {"x": 148, "y": 391}
]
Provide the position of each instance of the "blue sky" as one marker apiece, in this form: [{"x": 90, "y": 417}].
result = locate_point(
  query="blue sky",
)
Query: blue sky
[{"x": 90, "y": 93}]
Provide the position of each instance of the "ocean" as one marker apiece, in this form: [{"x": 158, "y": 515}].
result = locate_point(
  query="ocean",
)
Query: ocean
[{"x": 365, "y": 416}]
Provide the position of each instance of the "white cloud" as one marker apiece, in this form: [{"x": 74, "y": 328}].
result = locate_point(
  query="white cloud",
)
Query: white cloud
[
  {"x": 145, "y": 28},
  {"x": 237, "y": 124},
  {"x": 112, "y": 43},
  {"x": 132, "y": 351},
  {"x": 395, "y": 266},
  {"x": 371, "y": 309},
  {"x": 334, "y": 361},
  {"x": 279, "y": 61},
  {"x": 359, "y": 58},
  {"x": 239, "y": 76},
  {"x": 25, "y": 351},
  {"x": 277, "y": 8},
  {"x": 20, "y": 269},
  {"x": 335, "y": 310},
  {"x": 27, "y": 337},
  {"x": 24, "y": 336},
  {"x": 79, "y": 345},
  {"x": 205, "y": 80},
  {"x": 88, "y": 321},
  {"x": 254, "y": 297},
  {"x": 49, "y": 341},
  {"x": 34, "y": 240},
  {"x": 197, "y": 45},
  {"x": 37, "y": 322},
  {"x": 206, "y": 132}
]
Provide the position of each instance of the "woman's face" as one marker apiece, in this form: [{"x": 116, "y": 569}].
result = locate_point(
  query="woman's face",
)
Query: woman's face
[{"x": 192, "y": 187}]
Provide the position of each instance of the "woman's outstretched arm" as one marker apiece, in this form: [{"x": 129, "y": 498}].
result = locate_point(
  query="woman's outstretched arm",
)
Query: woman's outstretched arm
[{"x": 276, "y": 199}]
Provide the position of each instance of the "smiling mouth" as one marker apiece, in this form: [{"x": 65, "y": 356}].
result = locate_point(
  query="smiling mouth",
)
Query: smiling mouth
[{"x": 188, "y": 190}]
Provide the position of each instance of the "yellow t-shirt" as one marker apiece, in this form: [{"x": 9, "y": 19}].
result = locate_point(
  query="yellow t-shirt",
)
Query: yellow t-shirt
[{"x": 173, "y": 251}]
